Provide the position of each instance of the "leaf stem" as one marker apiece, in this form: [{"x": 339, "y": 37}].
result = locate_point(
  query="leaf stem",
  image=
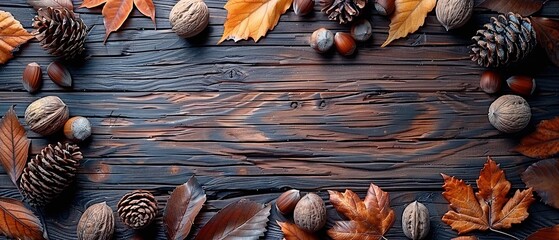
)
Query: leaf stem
[
  {"x": 384, "y": 238},
  {"x": 504, "y": 233}
]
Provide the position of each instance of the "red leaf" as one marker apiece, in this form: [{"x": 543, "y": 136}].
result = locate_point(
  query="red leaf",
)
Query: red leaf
[
  {"x": 542, "y": 143},
  {"x": 14, "y": 145},
  {"x": 115, "y": 12},
  {"x": 549, "y": 233},
  {"x": 92, "y": 3},
  {"x": 183, "y": 206},
  {"x": 36, "y": 4},
  {"x": 543, "y": 176},
  {"x": 18, "y": 222},
  {"x": 547, "y": 32},
  {"x": 147, "y": 8},
  {"x": 522, "y": 7},
  {"x": 292, "y": 232}
]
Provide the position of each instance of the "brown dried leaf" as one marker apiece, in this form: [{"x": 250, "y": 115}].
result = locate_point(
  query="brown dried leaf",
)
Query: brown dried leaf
[
  {"x": 543, "y": 177},
  {"x": 147, "y": 8},
  {"x": 351, "y": 230},
  {"x": 292, "y": 232},
  {"x": 12, "y": 34},
  {"x": 92, "y": 3},
  {"x": 522, "y": 7},
  {"x": 542, "y": 143},
  {"x": 408, "y": 17},
  {"x": 493, "y": 188},
  {"x": 36, "y": 4},
  {"x": 14, "y": 145},
  {"x": 243, "y": 219},
  {"x": 115, "y": 12},
  {"x": 18, "y": 222},
  {"x": 549, "y": 233},
  {"x": 183, "y": 206},
  {"x": 465, "y": 238},
  {"x": 547, "y": 32}
]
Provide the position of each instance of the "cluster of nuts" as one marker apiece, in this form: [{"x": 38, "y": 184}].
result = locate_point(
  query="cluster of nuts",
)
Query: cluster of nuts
[
  {"x": 490, "y": 82},
  {"x": 309, "y": 212},
  {"x": 323, "y": 39},
  {"x": 32, "y": 76}
]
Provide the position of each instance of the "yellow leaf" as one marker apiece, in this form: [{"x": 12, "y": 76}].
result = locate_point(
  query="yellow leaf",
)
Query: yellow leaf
[
  {"x": 252, "y": 18},
  {"x": 408, "y": 17},
  {"x": 12, "y": 34}
]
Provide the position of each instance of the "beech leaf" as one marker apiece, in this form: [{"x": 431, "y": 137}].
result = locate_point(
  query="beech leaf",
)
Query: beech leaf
[
  {"x": 92, "y": 3},
  {"x": 12, "y": 35},
  {"x": 292, "y": 232},
  {"x": 14, "y": 145},
  {"x": 489, "y": 208},
  {"x": 16, "y": 221},
  {"x": 243, "y": 219},
  {"x": 408, "y": 17},
  {"x": 252, "y": 19},
  {"x": 545, "y": 234},
  {"x": 522, "y": 7},
  {"x": 543, "y": 177},
  {"x": 183, "y": 206},
  {"x": 547, "y": 32},
  {"x": 543, "y": 142},
  {"x": 36, "y": 4}
]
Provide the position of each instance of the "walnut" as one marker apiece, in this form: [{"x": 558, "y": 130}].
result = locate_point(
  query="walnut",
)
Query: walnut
[
  {"x": 454, "y": 13},
  {"x": 46, "y": 115},
  {"x": 415, "y": 221},
  {"x": 509, "y": 113},
  {"x": 310, "y": 213},
  {"x": 96, "y": 223},
  {"x": 189, "y": 17}
]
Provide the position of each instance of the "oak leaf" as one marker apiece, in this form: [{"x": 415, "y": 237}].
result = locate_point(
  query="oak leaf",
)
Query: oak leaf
[
  {"x": 183, "y": 206},
  {"x": 18, "y": 222},
  {"x": 243, "y": 219},
  {"x": 547, "y": 32},
  {"x": 14, "y": 145},
  {"x": 489, "y": 208},
  {"x": 543, "y": 177},
  {"x": 543, "y": 142},
  {"x": 36, "y": 4},
  {"x": 252, "y": 19},
  {"x": 368, "y": 219},
  {"x": 12, "y": 35},
  {"x": 408, "y": 17},
  {"x": 292, "y": 232},
  {"x": 550, "y": 233},
  {"x": 522, "y": 7}
]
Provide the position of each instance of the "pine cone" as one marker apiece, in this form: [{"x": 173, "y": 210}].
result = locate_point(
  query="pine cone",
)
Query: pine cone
[
  {"x": 49, "y": 173},
  {"x": 506, "y": 39},
  {"x": 137, "y": 209},
  {"x": 61, "y": 32},
  {"x": 343, "y": 11}
]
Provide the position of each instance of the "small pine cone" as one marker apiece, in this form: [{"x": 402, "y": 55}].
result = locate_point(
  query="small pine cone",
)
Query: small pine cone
[
  {"x": 137, "y": 209},
  {"x": 343, "y": 11},
  {"x": 61, "y": 32},
  {"x": 49, "y": 173},
  {"x": 506, "y": 39}
]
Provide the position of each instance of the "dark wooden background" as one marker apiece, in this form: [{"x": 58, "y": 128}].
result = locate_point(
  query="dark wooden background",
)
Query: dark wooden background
[{"x": 252, "y": 120}]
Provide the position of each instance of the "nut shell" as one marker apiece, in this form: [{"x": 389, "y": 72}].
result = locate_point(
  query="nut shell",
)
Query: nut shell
[
  {"x": 303, "y": 7},
  {"x": 188, "y": 18},
  {"x": 362, "y": 30},
  {"x": 509, "y": 113},
  {"x": 522, "y": 85},
  {"x": 59, "y": 74},
  {"x": 490, "y": 82},
  {"x": 46, "y": 115},
  {"x": 32, "y": 77},
  {"x": 385, "y": 7},
  {"x": 453, "y": 14},
  {"x": 322, "y": 40},
  {"x": 415, "y": 221},
  {"x": 77, "y": 128},
  {"x": 287, "y": 201},
  {"x": 96, "y": 223},
  {"x": 310, "y": 213},
  {"x": 345, "y": 44}
]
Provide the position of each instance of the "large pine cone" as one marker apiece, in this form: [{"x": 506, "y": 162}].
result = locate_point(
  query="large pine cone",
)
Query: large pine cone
[
  {"x": 61, "y": 32},
  {"x": 506, "y": 39},
  {"x": 137, "y": 209},
  {"x": 343, "y": 11},
  {"x": 49, "y": 173}
]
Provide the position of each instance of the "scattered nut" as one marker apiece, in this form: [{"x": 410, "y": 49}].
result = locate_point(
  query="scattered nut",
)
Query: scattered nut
[
  {"x": 322, "y": 40},
  {"x": 287, "y": 201},
  {"x": 303, "y": 7},
  {"x": 77, "y": 129},
  {"x": 490, "y": 82},
  {"x": 453, "y": 14},
  {"x": 46, "y": 115},
  {"x": 189, "y": 18},
  {"x": 345, "y": 45},
  {"x": 415, "y": 221},
  {"x": 59, "y": 74},
  {"x": 310, "y": 213},
  {"x": 362, "y": 30},
  {"x": 509, "y": 113},
  {"x": 32, "y": 77},
  {"x": 385, "y": 7},
  {"x": 96, "y": 223},
  {"x": 522, "y": 85}
]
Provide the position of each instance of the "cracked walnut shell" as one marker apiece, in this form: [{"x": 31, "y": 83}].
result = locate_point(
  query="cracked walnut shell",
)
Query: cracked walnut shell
[{"x": 189, "y": 17}]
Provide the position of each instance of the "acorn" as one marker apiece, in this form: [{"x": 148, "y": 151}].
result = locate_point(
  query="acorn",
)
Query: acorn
[
  {"x": 522, "y": 85},
  {"x": 59, "y": 74},
  {"x": 362, "y": 30},
  {"x": 345, "y": 44},
  {"x": 490, "y": 82},
  {"x": 32, "y": 77},
  {"x": 303, "y": 7},
  {"x": 385, "y": 7},
  {"x": 287, "y": 201},
  {"x": 77, "y": 129},
  {"x": 322, "y": 40}
]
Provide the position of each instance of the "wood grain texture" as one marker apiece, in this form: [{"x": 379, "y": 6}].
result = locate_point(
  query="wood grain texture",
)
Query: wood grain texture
[{"x": 253, "y": 120}]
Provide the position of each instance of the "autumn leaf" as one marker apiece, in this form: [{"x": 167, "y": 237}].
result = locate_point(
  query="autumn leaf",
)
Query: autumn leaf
[
  {"x": 543, "y": 177},
  {"x": 243, "y": 219},
  {"x": 183, "y": 206},
  {"x": 252, "y": 19},
  {"x": 489, "y": 209},
  {"x": 14, "y": 145},
  {"x": 408, "y": 17},
  {"x": 368, "y": 219},
  {"x": 92, "y": 3},
  {"x": 36, "y": 4},
  {"x": 522, "y": 7},
  {"x": 292, "y": 232},
  {"x": 549, "y": 233},
  {"x": 18, "y": 222},
  {"x": 12, "y": 34},
  {"x": 465, "y": 238},
  {"x": 547, "y": 32},
  {"x": 147, "y": 8},
  {"x": 542, "y": 143}
]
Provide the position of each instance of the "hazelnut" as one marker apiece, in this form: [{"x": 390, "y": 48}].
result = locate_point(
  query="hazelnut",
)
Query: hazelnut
[
  {"x": 59, "y": 74},
  {"x": 509, "y": 113},
  {"x": 490, "y": 82},
  {"x": 385, "y": 7},
  {"x": 32, "y": 77},
  {"x": 345, "y": 45},
  {"x": 188, "y": 18},
  {"x": 362, "y": 30},
  {"x": 322, "y": 40},
  {"x": 96, "y": 223},
  {"x": 310, "y": 213},
  {"x": 415, "y": 221},
  {"x": 77, "y": 129},
  {"x": 303, "y": 7},
  {"x": 522, "y": 85},
  {"x": 46, "y": 115},
  {"x": 287, "y": 201}
]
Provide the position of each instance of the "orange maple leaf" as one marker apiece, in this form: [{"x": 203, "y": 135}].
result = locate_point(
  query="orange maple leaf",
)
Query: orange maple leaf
[
  {"x": 252, "y": 18},
  {"x": 292, "y": 232},
  {"x": 368, "y": 219},
  {"x": 489, "y": 208},
  {"x": 12, "y": 34},
  {"x": 542, "y": 143}
]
